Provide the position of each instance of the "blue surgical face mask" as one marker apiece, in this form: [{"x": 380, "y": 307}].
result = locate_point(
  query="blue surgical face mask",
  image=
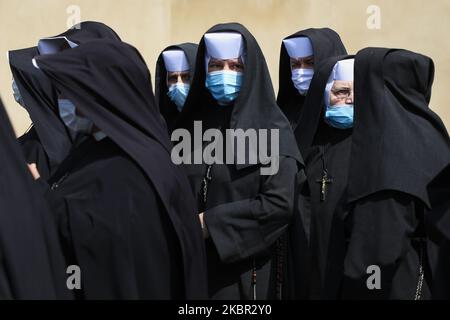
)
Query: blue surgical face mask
[
  {"x": 67, "y": 112},
  {"x": 224, "y": 85},
  {"x": 178, "y": 93},
  {"x": 340, "y": 116},
  {"x": 302, "y": 79},
  {"x": 16, "y": 94}
]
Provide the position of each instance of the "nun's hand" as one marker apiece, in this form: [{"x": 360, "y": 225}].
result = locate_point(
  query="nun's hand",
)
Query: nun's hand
[
  {"x": 204, "y": 228},
  {"x": 34, "y": 171}
]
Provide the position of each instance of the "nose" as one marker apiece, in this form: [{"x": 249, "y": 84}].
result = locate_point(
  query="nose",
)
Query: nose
[
  {"x": 179, "y": 79},
  {"x": 304, "y": 64},
  {"x": 349, "y": 99},
  {"x": 226, "y": 66}
]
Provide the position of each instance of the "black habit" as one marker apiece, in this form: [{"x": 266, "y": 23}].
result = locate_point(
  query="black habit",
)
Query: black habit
[
  {"x": 326, "y": 43},
  {"x": 48, "y": 142},
  {"x": 167, "y": 108},
  {"x": 377, "y": 197},
  {"x": 31, "y": 260},
  {"x": 117, "y": 200},
  {"x": 246, "y": 213}
]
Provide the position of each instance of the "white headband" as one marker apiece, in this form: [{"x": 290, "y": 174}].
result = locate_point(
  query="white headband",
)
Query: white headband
[
  {"x": 298, "y": 47},
  {"x": 54, "y": 45},
  {"x": 343, "y": 70},
  {"x": 175, "y": 61},
  {"x": 223, "y": 46}
]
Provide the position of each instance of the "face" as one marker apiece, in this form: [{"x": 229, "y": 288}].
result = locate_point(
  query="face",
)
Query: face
[
  {"x": 302, "y": 63},
  {"x": 178, "y": 77},
  {"x": 341, "y": 93},
  {"x": 227, "y": 65}
]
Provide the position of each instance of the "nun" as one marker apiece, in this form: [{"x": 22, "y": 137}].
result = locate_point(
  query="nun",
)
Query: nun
[
  {"x": 32, "y": 262},
  {"x": 300, "y": 52},
  {"x": 326, "y": 155},
  {"x": 174, "y": 72},
  {"x": 369, "y": 197},
  {"x": 48, "y": 141},
  {"x": 244, "y": 214},
  {"x": 116, "y": 197},
  {"x": 394, "y": 198}
]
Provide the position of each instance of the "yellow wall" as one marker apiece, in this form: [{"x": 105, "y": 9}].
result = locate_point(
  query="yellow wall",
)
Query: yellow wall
[{"x": 151, "y": 25}]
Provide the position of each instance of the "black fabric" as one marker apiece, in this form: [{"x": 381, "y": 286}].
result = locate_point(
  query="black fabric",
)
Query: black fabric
[
  {"x": 314, "y": 106},
  {"x": 297, "y": 261},
  {"x": 89, "y": 30},
  {"x": 438, "y": 231},
  {"x": 114, "y": 226},
  {"x": 167, "y": 108},
  {"x": 320, "y": 145},
  {"x": 110, "y": 84},
  {"x": 246, "y": 213},
  {"x": 391, "y": 118},
  {"x": 326, "y": 43},
  {"x": 394, "y": 124},
  {"x": 330, "y": 149},
  {"x": 387, "y": 232},
  {"x": 34, "y": 152},
  {"x": 31, "y": 262},
  {"x": 49, "y": 140},
  {"x": 255, "y": 107}
]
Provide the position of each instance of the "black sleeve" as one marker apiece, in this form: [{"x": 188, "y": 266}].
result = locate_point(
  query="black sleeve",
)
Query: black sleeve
[
  {"x": 55, "y": 202},
  {"x": 247, "y": 227},
  {"x": 34, "y": 153},
  {"x": 58, "y": 205},
  {"x": 382, "y": 228}
]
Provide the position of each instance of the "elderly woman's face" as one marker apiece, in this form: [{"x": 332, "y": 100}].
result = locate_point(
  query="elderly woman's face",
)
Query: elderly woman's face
[
  {"x": 228, "y": 65},
  {"x": 341, "y": 93}
]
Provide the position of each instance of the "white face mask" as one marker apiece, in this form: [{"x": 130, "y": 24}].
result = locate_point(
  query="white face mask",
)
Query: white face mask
[
  {"x": 67, "y": 112},
  {"x": 178, "y": 93},
  {"x": 302, "y": 79}
]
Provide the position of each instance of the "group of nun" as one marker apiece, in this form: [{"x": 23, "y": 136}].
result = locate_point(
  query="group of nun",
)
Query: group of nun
[{"x": 358, "y": 209}]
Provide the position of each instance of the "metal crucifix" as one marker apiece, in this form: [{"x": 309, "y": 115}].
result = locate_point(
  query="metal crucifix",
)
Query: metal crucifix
[{"x": 324, "y": 185}]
